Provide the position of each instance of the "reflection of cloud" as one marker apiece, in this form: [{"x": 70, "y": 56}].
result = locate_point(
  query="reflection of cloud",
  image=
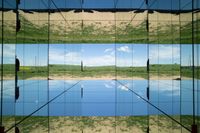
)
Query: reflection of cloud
[
  {"x": 124, "y": 87},
  {"x": 71, "y": 82},
  {"x": 168, "y": 87},
  {"x": 164, "y": 52},
  {"x": 9, "y": 86},
  {"x": 82, "y": 86},
  {"x": 108, "y": 50},
  {"x": 124, "y": 49},
  {"x": 9, "y": 50},
  {"x": 141, "y": 94},
  {"x": 9, "y": 53},
  {"x": 110, "y": 84},
  {"x": 105, "y": 60},
  {"x": 129, "y": 62},
  {"x": 36, "y": 101},
  {"x": 60, "y": 57},
  {"x": 72, "y": 55}
]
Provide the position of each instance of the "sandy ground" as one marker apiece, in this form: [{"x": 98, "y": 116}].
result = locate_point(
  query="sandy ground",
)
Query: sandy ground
[
  {"x": 104, "y": 18},
  {"x": 107, "y": 125},
  {"x": 55, "y": 77},
  {"x": 103, "y": 78},
  {"x": 68, "y": 21},
  {"x": 99, "y": 19},
  {"x": 113, "y": 78}
]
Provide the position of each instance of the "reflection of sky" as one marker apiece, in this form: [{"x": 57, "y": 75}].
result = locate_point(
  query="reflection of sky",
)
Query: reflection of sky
[
  {"x": 8, "y": 3},
  {"x": 164, "y": 54},
  {"x": 154, "y": 4},
  {"x": 186, "y": 54},
  {"x": 9, "y": 54},
  {"x": 104, "y": 98},
  {"x": 32, "y": 54},
  {"x": 98, "y": 54}
]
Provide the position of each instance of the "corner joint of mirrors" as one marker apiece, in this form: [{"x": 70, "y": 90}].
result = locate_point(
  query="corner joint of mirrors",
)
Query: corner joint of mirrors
[
  {"x": 2, "y": 129},
  {"x": 17, "y": 129},
  {"x": 18, "y": 22},
  {"x": 194, "y": 128},
  {"x": 148, "y": 129},
  {"x": 17, "y": 69},
  {"x": 148, "y": 93}
]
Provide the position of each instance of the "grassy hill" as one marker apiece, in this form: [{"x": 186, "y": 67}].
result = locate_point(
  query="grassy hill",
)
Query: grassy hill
[
  {"x": 74, "y": 71},
  {"x": 100, "y": 27},
  {"x": 70, "y": 71}
]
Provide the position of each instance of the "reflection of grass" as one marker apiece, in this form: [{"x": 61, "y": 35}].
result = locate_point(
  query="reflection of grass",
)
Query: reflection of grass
[
  {"x": 97, "y": 33},
  {"x": 74, "y": 71},
  {"x": 100, "y": 124},
  {"x": 139, "y": 122},
  {"x": 110, "y": 71}
]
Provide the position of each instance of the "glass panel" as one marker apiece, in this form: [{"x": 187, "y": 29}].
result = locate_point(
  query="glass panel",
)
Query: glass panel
[
  {"x": 162, "y": 123},
  {"x": 8, "y": 97},
  {"x": 124, "y": 61},
  {"x": 1, "y": 64},
  {"x": 37, "y": 122},
  {"x": 65, "y": 61},
  {"x": 130, "y": 24},
  {"x": 98, "y": 29},
  {"x": 8, "y": 38},
  {"x": 33, "y": 75},
  {"x": 65, "y": 110},
  {"x": 32, "y": 52},
  {"x": 186, "y": 37},
  {"x": 56, "y": 51},
  {"x": 99, "y": 4},
  {"x": 66, "y": 25},
  {"x": 106, "y": 43},
  {"x": 131, "y": 110},
  {"x": 98, "y": 61},
  {"x": 197, "y": 96},
  {"x": 153, "y": 85},
  {"x": 33, "y": 23},
  {"x": 186, "y": 85},
  {"x": 196, "y": 60}
]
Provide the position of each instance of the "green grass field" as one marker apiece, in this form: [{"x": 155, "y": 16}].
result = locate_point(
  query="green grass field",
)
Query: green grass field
[
  {"x": 74, "y": 71},
  {"x": 91, "y": 33},
  {"x": 97, "y": 124}
]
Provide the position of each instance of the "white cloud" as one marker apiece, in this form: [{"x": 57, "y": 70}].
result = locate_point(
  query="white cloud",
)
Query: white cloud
[
  {"x": 110, "y": 84},
  {"x": 9, "y": 50},
  {"x": 105, "y": 60},
  {"x": 71, "y": 82},
  {"x": 72, "y": 55},
  {"x": 128, "y": 62},
  {"x": 164, "y": 52},
  {"x": 59, "y": 57},
  {"x": 108, "y": 50},
  {"x": 124, "y": 49},
  {"x": 124, "y": 87},
  {"x": 56, "y": 56},
  {"x": 168, "y": 87},
  {"x": 9, "y": 53}
]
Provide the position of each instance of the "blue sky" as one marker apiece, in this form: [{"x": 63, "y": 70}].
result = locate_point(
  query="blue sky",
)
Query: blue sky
[
  {"x": 32, "y": 54},
  {"x": 100, "y": 54},
  {"x": 154, "y": 4},
  {"x": 107, "y": 54}
]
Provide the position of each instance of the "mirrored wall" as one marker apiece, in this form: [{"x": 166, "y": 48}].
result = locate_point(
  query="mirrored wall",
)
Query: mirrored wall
[{"x": 99, "y": 66}]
